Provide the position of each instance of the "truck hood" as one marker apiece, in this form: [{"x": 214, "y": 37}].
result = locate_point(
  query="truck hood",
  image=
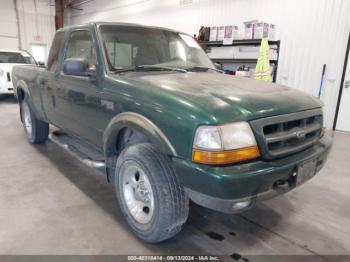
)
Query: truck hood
[{"x": 226, "y": 97}]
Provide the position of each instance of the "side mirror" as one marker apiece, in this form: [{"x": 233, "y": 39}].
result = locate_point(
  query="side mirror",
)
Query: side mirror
[
  {"x": 41, "y": 63},
  {"x": 77, "y": 67}
]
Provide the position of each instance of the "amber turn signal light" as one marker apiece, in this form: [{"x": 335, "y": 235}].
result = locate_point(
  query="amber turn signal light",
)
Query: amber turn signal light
[
  {"x": 225, "y": 157},
  {"x": 322, "y": 132}
]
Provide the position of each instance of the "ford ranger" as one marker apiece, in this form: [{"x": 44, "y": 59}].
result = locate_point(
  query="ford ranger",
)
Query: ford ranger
[{"x": 147, "y": 107}]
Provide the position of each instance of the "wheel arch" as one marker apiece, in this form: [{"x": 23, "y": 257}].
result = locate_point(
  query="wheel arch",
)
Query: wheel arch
[
  {"x": 135, "y": 122},
  {"x": 21, "y": 90}
]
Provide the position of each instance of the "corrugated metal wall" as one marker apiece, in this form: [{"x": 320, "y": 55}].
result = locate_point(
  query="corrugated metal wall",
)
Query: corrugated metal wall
[
  {"x": 312, "y": 32},
  {"x": 8, "y": 28},
  {"x": 35, "y": 17}
]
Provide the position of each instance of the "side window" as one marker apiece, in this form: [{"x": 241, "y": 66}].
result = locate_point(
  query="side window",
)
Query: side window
[
  {"x": 52, "y": 61},
  {"x": 80, "y": 45}
]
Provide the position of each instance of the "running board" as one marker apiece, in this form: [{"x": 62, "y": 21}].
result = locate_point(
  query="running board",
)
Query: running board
[{"x": 83, "y": 152}]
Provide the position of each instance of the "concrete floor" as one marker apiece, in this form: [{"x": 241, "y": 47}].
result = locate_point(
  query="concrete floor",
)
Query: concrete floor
[{"x": 52, "y": 204}]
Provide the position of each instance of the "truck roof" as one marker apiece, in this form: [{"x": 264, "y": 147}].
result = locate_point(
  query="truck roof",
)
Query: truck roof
[{"x": 96, "y": 24}]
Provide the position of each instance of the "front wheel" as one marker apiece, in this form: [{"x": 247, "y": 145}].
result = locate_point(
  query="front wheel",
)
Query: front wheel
[
  {"x": 36, "y": 130},
  {"x": 150, "y": 194}
]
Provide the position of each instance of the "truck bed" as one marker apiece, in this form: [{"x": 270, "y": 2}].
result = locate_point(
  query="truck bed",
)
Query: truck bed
[{"x": 27, "y": 76}]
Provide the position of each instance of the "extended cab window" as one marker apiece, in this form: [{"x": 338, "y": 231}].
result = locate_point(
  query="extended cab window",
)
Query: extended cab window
[
  {"x": 52, "y": 61},
  {"x": 80, "y": 45}
]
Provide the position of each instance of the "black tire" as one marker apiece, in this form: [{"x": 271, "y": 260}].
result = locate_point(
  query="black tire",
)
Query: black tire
[
  {"x": 38, "y": 131},
  {"x": 170, "y": 202}
]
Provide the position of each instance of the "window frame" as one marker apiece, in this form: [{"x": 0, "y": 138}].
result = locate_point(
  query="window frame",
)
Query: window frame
[
  {"x": 59, "y": 56},
  {"x": 67, "y": 40}
]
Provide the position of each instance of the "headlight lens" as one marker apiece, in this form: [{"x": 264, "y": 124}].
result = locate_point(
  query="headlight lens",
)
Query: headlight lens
[
  {"x": 224, "y": 137},
  {"x": 224, "y": 144},
  {"x": 208, "y": 137}
]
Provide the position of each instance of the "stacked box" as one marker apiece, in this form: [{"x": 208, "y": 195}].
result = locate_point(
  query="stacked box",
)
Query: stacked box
[
  {"x": 222, "y": 52},
  {"x": 249, "y": 28},
  {"x": 252, "y": 52},
  {"x": 213, "y": 33},
  {"x": 231, "y": 33},
  {"x": 221, "y": 33},
  {"x": 264, "y": 30}
]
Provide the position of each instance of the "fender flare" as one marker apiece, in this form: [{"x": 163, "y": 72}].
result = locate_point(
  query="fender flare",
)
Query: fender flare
[
  {"x": 21, "y": 85},
  {"x": 138, "y": 123}
]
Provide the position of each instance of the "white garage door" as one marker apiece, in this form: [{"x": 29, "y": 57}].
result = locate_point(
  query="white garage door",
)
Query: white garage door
[{"x": 343, "y": 122}]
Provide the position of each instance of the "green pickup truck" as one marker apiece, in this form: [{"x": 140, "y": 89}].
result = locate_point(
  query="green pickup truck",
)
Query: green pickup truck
[{"x": 147, "y": 107}]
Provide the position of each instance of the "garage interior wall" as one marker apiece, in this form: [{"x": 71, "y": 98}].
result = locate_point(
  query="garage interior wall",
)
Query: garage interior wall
[
  {"x": 36, "y": 23},
  {"x": 312, "y": 32},
  {"x": 35, "y": 20},
  {"x": 8, "y": 28}
]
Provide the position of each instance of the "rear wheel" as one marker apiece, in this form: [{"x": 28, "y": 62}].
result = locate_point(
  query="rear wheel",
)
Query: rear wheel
[
  {"x": 149, "y": 193},
  {"x": 36, "y": 130}
]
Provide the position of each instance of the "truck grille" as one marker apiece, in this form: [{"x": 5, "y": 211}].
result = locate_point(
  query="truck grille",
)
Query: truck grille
[{"x": 283, "y": 135}]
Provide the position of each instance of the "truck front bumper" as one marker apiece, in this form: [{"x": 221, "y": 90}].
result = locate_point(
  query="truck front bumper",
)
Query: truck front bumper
[{"x": 234, "y": 188}]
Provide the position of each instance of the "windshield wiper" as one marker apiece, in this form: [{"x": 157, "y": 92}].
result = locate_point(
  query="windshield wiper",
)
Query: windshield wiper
[
  {"x": 160, "y": 68},
  {"x": 122, "y": 70},
  {"x": 203, "y": 69},
  {"x": 149, "y": 68}
]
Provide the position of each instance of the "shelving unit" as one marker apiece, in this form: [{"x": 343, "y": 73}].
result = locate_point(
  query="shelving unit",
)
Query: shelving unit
[{"x": 254, "y": 42}]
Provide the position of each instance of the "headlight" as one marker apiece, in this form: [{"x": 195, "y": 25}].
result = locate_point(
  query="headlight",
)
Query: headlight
[
  {"x": 322, "y": 132},
  {"x": 224, "y": 144}
]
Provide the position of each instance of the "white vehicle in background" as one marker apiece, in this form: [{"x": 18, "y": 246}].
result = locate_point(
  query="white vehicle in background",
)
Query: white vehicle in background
[{"x": 8, "y": 59}]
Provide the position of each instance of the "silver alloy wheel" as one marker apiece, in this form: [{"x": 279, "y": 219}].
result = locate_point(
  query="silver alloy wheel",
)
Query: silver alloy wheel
[
  {"x": 27, "y": 119},
  {"x": 137, "y": 192}
]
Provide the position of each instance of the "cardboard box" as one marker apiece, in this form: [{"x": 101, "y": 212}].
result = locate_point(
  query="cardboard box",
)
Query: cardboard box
[
  {"x": 243, "y": 73},
  {"x": 221, "y": 33},
  {"x": 249, "y": 28},
  {"x": 231, "y": 33},
  {"x": 264, "y": 30},
  {"x": 247, "y": 52},
  {"x": 252, "y": 52},
  {"x": 238, "y": 52},
  {"x": 222, "y": 52},
  {"x": 213, "y": 33}
]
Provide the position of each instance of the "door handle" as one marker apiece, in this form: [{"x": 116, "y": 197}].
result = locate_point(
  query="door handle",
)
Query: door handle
[{"x": 347, "y": 84}]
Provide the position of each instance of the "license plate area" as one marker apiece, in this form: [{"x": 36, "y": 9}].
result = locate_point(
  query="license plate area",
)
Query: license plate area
[{"x": 305, "y": 171}]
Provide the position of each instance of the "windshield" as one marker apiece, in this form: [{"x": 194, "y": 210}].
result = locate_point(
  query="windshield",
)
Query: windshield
[
  {"x": 15, "y": 58},
  {"x": 129, "y": 47}
]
